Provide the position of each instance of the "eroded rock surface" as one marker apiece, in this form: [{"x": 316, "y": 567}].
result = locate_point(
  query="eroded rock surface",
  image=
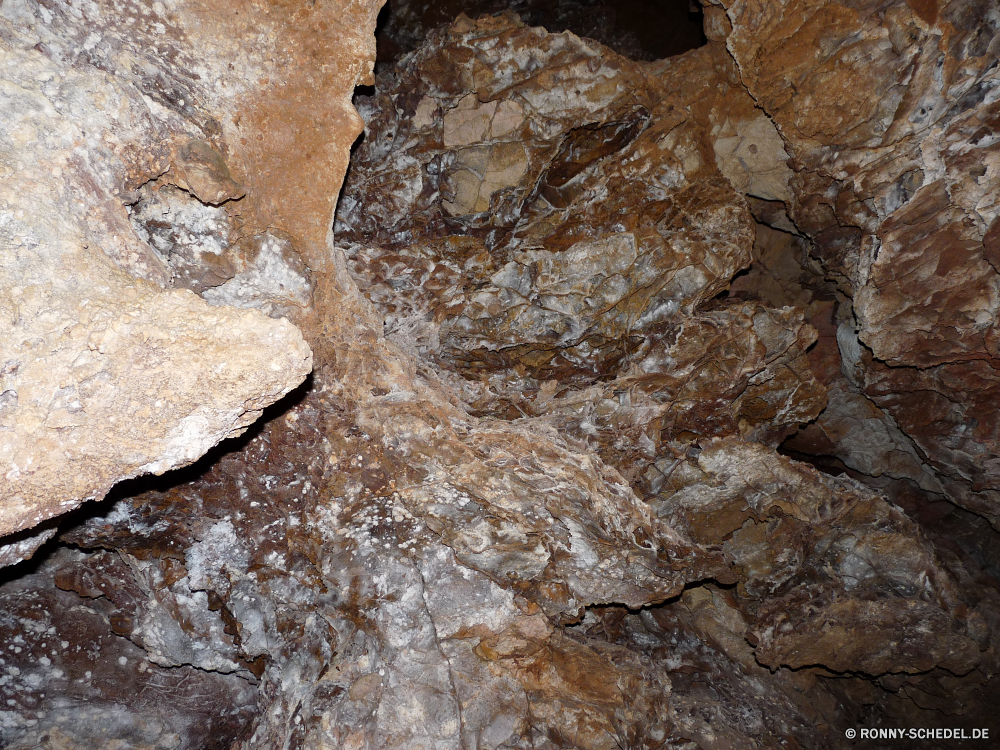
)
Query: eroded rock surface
[
  {"x": 584, "y": 251},
  {"x": 119, "y": 109},
  {"x": 896, "y": 170},
  {"x": 532, "y": 496},
  {"x": 71, "y": 681},
  {"x": 637, "y": 30},
  {"x": 866, "y": 583}
]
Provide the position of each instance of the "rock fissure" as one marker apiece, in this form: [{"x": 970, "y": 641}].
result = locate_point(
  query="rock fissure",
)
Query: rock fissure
[{"x": 648, "y": 402}]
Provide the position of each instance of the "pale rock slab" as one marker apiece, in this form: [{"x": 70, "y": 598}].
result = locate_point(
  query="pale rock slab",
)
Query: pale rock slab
[{"x": 110, "y": 369}]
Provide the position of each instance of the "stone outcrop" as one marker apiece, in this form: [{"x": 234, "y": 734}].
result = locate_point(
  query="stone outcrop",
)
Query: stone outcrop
[
  {"x": 896, "y": 185},
  {"x": 838, "y": 576},
  {"x": 136, "y": 167},
  {"x": 572, "y": 314},
  {"x": 538, "y": 232},
  {"x": 639, "y": 31}
]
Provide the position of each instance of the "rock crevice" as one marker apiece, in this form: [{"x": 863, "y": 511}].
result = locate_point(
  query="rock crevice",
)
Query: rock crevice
[{"x": 580, "y": 327}]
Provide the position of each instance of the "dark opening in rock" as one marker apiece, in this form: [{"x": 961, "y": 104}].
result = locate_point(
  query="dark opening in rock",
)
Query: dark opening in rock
[
  {"x": 653, "y": 398},
  {"x": 638, "y": 29}
]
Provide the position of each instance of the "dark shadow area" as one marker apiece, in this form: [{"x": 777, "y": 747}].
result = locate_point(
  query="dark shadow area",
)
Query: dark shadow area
[
  {"x": 142, "y": 484},
  {"x": 193, "y": 472},
  {"x": 638, "y": 29},
  {"x": 384, "y": 50},
  {"x": 624, "y": 609},
  {"x": 948, "y": 525},
  {"x": 360, "y": 93}
]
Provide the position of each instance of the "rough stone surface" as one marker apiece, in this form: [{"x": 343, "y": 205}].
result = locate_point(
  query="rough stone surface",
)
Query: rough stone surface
[
  {"x": 595, "y": 224},
  {"x": 842, "y": 578},
  {"x": 896, "y": 183},
  {"x": 148, "y": 383},
  {"x": 70, "y": 681},
  {"x": 114, "y": 109},
  {"x": 533, "y": 495}
]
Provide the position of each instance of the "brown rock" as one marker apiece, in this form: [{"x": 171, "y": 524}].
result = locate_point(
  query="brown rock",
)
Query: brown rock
[
  {"x": 537, "y": 223},
  {"x": 105, "y": 375},
  {"x": 896, "y": 183},
  {"x": 531, "y": 496}
]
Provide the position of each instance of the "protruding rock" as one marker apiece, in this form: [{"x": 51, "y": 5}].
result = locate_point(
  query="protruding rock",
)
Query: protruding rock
[{"x": 103, "y": 375}]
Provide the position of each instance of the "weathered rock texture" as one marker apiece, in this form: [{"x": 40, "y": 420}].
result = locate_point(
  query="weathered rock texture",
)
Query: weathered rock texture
[
  {"x": 841, "y": 577},
  {"x": 109, "y": 369},
  {"x": 896, "y": 183},
  {"x": 533, "y": 496},
  {"x": 638, "y": 30}
]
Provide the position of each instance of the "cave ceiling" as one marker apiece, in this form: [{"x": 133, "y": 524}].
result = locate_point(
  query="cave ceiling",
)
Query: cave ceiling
[{"x": 498, "y": 375}]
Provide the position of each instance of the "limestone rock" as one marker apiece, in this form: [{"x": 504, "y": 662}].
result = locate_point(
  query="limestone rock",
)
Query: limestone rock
[
  {"x": 531, "y": 497},
  {"x": 896, "y": 178},
  {"x": 150, "y": 381},
  {"x": 71, "y": 681},
  {"x": 736, "y": 370},
  {"x": 581, "y": 297},
  {"x": 107, "y": 372},
  {"x": 605, "y": 237},
  {"x": 355, "y": 610}
]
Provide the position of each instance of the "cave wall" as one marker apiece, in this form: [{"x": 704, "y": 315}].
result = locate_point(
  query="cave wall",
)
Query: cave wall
[
  {"x": 573, "y": 318},
  {"x": 112, "y": 367},
  {"x": 896, "y": 184}
]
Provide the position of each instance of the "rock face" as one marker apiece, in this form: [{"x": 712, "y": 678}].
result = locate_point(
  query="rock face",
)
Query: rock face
[
  {"x": 560, "y": 229},
  {"x": 637, "y": 30},
  {"x": 125, "y": 132},
  {"x": 896, "y": 182},
  {"x": 842, "y": 578},
  {"x": 534, "y": 495},
  {"x": 501, "y": 186}
]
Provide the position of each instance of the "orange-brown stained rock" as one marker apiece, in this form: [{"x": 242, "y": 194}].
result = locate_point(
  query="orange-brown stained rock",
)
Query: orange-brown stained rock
[
  {"x": 593, "y": 260},
  {"x": 737, "y": 369},
  {"x": 287, "y": 144},
  {"x": 120, "y": 377},
  {"x": 886, "y": 110},
  {"x": 380, "y": 509}
]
